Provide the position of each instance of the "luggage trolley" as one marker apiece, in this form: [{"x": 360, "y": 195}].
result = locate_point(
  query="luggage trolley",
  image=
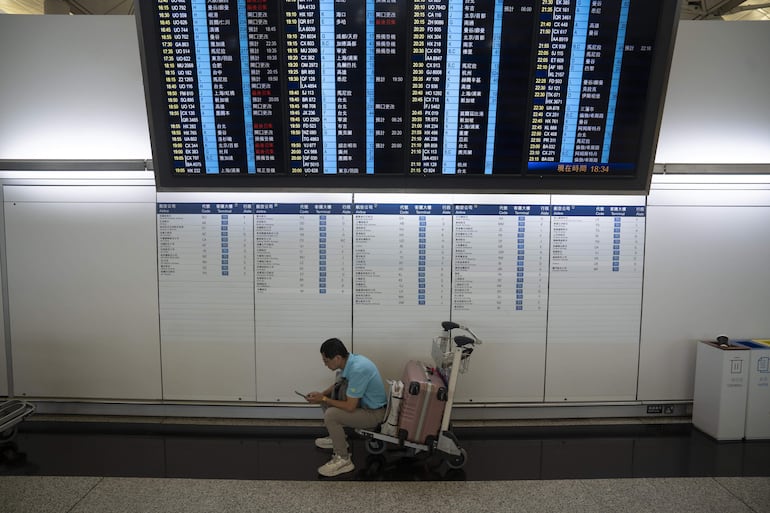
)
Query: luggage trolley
[
  {"x": 451, "y": 356},
  {"x": 11, "y": 413}
]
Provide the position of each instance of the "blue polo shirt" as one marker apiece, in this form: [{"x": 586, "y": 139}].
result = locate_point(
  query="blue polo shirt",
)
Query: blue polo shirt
[{"x": 364, "y": 382}]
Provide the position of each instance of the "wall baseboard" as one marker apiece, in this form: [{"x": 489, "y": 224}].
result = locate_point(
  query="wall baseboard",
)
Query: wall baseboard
[{"x": 461, "y": 412}]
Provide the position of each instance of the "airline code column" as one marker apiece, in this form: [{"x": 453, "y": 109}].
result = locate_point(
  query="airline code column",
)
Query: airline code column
[
  {"x": 181, "y": 80},
  {"x": 303, "y": 50}
]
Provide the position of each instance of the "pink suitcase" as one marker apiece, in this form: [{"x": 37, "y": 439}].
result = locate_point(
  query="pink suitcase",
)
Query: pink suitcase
[{"x": 422, "y": 408}]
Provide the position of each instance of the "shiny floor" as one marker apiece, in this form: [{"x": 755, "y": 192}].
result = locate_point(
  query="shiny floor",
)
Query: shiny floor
[{"x": 175, "y": 466}]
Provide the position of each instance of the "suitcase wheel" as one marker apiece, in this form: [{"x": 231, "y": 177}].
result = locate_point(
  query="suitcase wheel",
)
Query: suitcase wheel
[
  {"x": 375, "y": 446},
  {"x": 457, "y": 461},
  {"x": 414, "y": 388},
  {"x": 442, "y": 394}
]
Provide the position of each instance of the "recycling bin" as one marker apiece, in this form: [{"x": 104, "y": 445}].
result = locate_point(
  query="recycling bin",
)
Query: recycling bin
[
  {"x": 721, "y": 386},
  {"x": 758, "y": 390}
]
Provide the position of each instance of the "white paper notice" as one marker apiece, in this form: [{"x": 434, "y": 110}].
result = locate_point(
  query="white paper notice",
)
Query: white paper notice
[
  {"x": 206, "y": 299},
  {"x": 596, "y": 273},
  {"x": 402, "y": 280}
]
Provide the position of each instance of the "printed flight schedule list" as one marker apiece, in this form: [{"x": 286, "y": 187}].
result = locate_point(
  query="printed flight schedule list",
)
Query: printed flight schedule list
[
  {"x": 402, "y": 263},
  {"x": 596, "y": 273},
  {"x": 500, "y": 288},
  {"x": 500, "y": 269},
  {"x": 205, "y": 258},
  {"x": 595, "y": 301},
  {"x": 303, "y": 270},
  {"x": 303, "y": 288}
]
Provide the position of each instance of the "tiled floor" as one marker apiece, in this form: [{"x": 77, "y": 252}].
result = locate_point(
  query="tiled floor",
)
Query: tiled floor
[
  {"x": 168, "y": 466},
  {"x": 113, "y": 495}
]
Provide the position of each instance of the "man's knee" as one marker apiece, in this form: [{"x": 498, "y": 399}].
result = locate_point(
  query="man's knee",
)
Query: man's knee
[{"x": 333, "y": 416}]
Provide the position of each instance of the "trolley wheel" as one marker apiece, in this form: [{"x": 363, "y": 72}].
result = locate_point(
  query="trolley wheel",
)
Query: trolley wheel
[
  {"x": 8, "y": 435},
  {"x": 375, "y": 446},
  {"x": 9, "y": 453},
  {"x": 375, "y": 465},
  {"x": 457, "y": 461}
]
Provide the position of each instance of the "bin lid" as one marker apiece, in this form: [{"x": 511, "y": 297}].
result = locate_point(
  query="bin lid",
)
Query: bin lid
[
  {"x": 732, "y": 347},
  {"x": 752, "y": 344}
]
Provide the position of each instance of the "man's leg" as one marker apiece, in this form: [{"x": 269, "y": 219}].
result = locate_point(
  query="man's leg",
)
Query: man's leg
[
  {"x": 336, "y": 420},
  {"x": 324, "y": 442}
]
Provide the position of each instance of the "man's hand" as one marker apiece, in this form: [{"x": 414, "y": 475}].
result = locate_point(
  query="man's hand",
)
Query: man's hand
[{"x": 315, "y": 398}]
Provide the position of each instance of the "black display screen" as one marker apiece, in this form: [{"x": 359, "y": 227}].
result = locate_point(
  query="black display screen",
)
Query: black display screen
[{"x": 461, "y": 95}]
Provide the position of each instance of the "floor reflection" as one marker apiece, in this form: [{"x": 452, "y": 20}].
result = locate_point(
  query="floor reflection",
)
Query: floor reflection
[{"x": 223, "y": 452}]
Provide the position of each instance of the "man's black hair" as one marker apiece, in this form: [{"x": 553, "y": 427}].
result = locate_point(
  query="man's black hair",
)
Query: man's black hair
[{"x": 334, "y": 347}]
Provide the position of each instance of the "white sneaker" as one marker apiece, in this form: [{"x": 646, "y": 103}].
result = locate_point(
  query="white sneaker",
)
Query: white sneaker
[
  {"x": 336, "y": 466},
  {"x": 324, "y": 443}
]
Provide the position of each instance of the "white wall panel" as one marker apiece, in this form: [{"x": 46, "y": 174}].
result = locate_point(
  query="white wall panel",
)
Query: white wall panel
[
  {"x": 4, "y": 364},
  {"x": 71, "y": 88},
  {"x": 83, "y": 295},
  {"x": 706, "y": 273},
  {"x": 716, "y": 110},
  {"x": 3, "y": 360}
]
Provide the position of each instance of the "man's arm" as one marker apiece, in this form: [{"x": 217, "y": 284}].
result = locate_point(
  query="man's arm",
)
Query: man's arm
[
  {"x": 315, "y": 397},
  {"x": 349, "y": 404}
]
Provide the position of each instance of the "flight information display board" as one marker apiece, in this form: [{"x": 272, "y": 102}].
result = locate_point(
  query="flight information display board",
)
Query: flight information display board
[{"x": 416, "y": 94}]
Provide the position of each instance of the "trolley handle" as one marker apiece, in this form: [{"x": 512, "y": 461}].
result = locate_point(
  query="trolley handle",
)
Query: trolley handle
[
  {"x": 449, "y": 325},
  {"x": 462, "y": 340}
]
